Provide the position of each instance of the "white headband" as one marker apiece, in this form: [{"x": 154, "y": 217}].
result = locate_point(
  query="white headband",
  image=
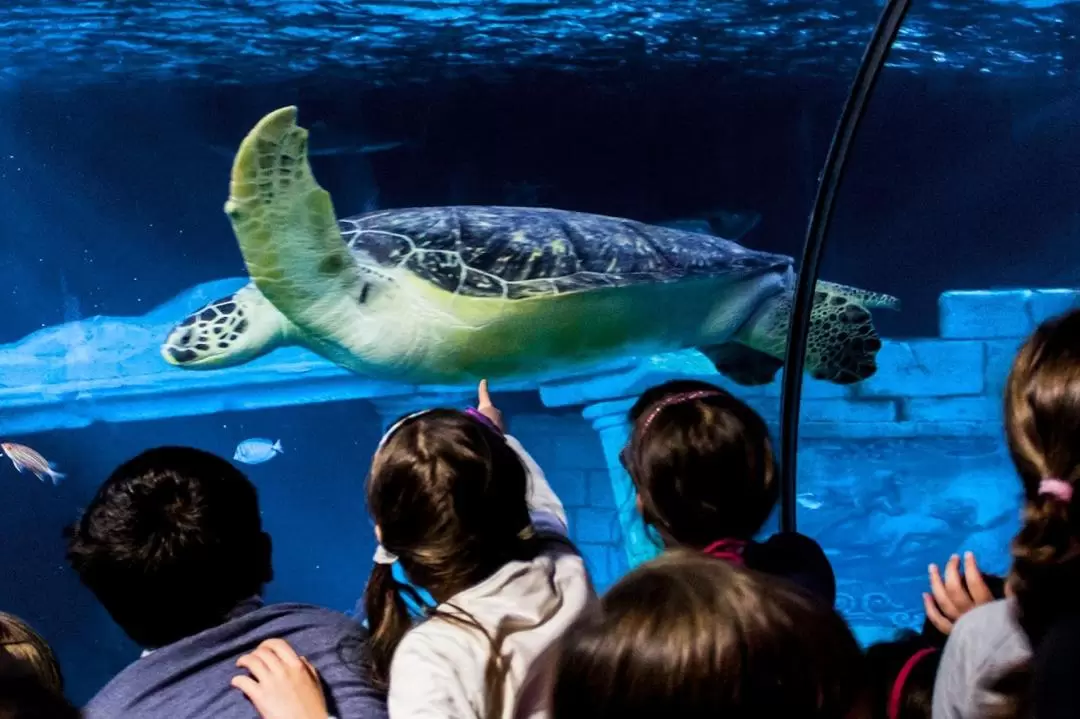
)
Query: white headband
[{"x": 382, "y": 555}]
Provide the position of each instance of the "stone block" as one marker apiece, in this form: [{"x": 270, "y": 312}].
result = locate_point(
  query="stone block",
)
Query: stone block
[
  {"x": 1045, "y": 304},
  {"x": 600, "y": 492},
  {"x": 984, "y": 314},
  {"x": 848, "y": 410},
  {"x": 898, "y": 430},
  {"x": 571, "y": 486},
  {"x": 580, "y": 450},
  {"x": 594, "y": 525},
  {"x": 856, "y": 430},
  {"x": 953, "y": 409},
  {"x": 927, "y": 368},
  {"x": 606, "y": 563},
  {"x": 999, "y": 359}
]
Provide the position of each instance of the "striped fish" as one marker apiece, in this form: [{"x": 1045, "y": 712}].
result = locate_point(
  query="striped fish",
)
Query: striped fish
[{"x": 24, "y": 458}]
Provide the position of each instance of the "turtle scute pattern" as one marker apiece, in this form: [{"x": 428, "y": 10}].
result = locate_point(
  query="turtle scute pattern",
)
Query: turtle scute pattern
[
  {"x": 843, "y": 341},
  {"x": 215, "y": 326},
  {"x": 517, "y": 253}
]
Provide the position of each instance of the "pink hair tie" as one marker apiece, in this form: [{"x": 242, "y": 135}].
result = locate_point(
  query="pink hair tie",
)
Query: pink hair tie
[
  {"x": 1056, "y": 488},
  {"x": 897, "y": 692}
]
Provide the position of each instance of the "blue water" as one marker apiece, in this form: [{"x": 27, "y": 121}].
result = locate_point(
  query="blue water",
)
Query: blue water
[{"x": 117, "y": 124}]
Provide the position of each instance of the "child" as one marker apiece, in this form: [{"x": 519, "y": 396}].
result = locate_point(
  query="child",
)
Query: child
[
  {"x": 173, "y": 547},
  {"x": 29, "y": 652},
  {"x": 471, "y": 520},
  {"x": 688, "y": 637},
  {"x": 1042, "y": 426},
  {"x": 901, "y": 676},
  {"x": 702, "y": 463}
]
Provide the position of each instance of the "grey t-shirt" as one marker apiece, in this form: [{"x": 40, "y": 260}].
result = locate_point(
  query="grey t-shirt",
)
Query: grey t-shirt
[
  {"x": 189, "y": 679},
  {"x": 984, "y": 643}
]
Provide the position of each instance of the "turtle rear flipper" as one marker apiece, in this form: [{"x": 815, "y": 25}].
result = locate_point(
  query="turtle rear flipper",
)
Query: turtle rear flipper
[
  {"x": 227, "y": 332},
  {"x": 744, "y": 365},
  {"x": 843, "y": 343}
]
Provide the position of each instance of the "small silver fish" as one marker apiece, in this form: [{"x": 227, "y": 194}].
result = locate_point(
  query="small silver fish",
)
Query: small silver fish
[
  {"x": 23, "y": 458},
  {"x": 257, "y": 450},
  {"x": 809, "y": 500}
]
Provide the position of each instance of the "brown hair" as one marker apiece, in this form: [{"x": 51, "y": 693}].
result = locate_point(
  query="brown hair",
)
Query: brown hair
[
  {"x": 702, "y": 464},
  {"x": 449, "y": 497},
  {"x": 30, "y": 651},
  {"x": 686, "y": 636},
  {"x": 1042, "y": 423}
]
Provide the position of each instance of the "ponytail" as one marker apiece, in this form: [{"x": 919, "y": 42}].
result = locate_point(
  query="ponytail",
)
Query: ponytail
[
  {"x": 388, "y": 620},
  {"x": 1046, "y": 581}
]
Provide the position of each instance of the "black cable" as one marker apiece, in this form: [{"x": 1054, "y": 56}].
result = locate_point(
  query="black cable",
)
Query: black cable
[{"x": 873, "y": 61}]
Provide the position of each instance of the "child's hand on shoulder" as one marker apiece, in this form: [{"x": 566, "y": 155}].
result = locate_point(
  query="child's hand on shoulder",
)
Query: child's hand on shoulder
[{"x": 282, "y": 685}]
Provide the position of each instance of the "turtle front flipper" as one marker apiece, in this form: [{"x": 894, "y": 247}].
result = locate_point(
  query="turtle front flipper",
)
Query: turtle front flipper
[
  {"x": 227, "y": 332},
  {"x": 843, "y": 343},
  {"x": 285, "y": 224}
]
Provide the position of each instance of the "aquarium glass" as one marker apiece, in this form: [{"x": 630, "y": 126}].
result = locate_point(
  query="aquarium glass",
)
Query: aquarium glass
[{"x": 127, "y": 325}]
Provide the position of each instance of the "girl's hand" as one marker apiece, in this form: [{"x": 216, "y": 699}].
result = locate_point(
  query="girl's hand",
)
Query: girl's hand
[
  {"x": 282, "y": 684},
  {"x": 486, "y": 408},
  {"x": 956, "y": 595}
]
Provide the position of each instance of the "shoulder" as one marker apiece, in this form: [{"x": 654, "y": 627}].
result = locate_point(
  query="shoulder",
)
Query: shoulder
[
  {"x": 989, "y": 631},
  {"x": 982, "y": 642},
  {"x": 797, "y": 558},
  {"x": 1054, "y": 690}
]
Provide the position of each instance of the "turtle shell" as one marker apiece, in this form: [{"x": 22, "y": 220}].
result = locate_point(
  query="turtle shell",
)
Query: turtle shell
[{"x": 517, "y": 253}]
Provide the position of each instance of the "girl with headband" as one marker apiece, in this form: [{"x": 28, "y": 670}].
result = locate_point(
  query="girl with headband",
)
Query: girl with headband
[
  {"x": 703, "y": 468},
  {"x": 468, "y": 515}
]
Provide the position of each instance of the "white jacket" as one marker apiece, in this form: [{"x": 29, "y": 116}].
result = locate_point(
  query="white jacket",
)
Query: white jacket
[{"x": 438, "y": 669}]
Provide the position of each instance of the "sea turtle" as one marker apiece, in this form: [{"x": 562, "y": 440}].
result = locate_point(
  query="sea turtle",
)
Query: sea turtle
[{"x": 446, "y": 295}]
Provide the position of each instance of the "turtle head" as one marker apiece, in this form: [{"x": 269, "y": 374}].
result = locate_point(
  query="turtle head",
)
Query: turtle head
[
  {"x": 226, "y": 332},
  {"x": 843, "y": 343}
]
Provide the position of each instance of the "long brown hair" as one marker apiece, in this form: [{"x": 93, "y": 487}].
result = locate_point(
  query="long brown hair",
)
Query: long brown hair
[
  {"x": 686, "y": 636},
  {"x": 1042, "y": 423},
  {"x": 30, "y": 651},
  {"x": 702, "y": 464},
  {"x": 449, "y": 497}
]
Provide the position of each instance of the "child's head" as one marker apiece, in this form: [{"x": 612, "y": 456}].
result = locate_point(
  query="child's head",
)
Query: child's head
[
  {"x": 171, "y": 543},
  {"x": 26, "y": 697},
  {"x": 686, "y": 636},
  {"x": 901, "y": 677},
  {"x": 1042, "y": 419},
  {"x": 448, "y": 498},
  {"x": 29, "y": 653},
  {"x": 702, "y": 464}
]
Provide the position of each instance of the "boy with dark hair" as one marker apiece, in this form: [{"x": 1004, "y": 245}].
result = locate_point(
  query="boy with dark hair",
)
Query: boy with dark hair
[{"x": 173, "y": 548}]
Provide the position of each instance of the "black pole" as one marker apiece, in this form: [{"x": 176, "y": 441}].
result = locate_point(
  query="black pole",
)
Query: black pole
[{"x": 873, "y": 61}]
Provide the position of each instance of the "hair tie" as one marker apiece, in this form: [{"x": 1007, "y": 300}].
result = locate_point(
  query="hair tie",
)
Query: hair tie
[
  {"x": 730, "y": 550},
  {"x": 1056, "y": 488},
  {"x": 484, "y": 420},
  {"x": 898, "y": 686},
  {"x": 676, "y": 399},
  {"x": 384, "y": 556}
]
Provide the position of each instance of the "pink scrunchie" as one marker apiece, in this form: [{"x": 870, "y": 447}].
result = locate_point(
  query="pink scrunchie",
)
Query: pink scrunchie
[{"x": 1056, "y": 488}]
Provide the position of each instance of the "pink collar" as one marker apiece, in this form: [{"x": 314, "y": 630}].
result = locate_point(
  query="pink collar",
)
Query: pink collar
[
  {"x": 898, "y": 686},
  {"x": 730, "y": 550}
]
